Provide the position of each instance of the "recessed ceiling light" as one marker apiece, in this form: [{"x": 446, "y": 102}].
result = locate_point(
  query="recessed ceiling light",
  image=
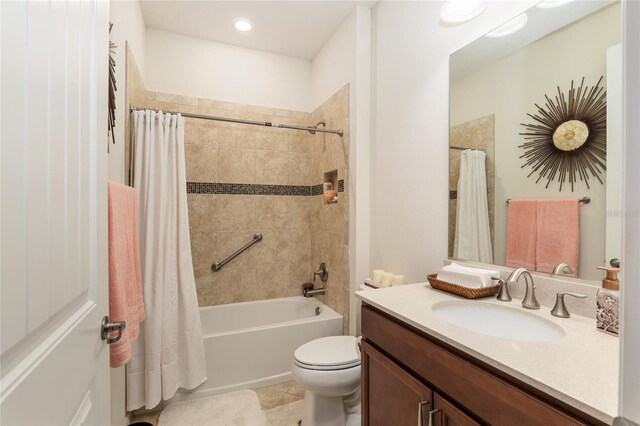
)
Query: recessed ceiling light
[
  {"x": 459, "y": 11},
  {"x": 243, "y": 24},
  {"x": 548, "y": 4},
  {"x": 516, "y": 24}
]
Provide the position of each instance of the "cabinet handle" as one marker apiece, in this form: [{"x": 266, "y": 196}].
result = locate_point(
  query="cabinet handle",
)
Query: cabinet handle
[
  {"x": 432, "y": 414},
  {"x": 420, "y": 405}
]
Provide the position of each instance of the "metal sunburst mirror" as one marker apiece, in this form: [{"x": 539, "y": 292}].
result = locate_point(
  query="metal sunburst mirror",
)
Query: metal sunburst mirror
[
  {"x": 569, "y": 138},
  {"x": 112, "y": 88}
]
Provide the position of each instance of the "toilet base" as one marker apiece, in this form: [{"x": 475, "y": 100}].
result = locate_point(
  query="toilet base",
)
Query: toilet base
[{"x": 319, "y": 410}]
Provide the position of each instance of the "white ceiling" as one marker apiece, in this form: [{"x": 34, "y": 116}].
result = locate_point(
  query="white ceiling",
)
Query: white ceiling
[
  {"x": 292, "y": 28},
  {"x": 485, "y": 51}
]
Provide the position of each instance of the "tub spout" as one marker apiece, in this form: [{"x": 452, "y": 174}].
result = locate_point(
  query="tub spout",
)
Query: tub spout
[{"x": 309, "y": 291}]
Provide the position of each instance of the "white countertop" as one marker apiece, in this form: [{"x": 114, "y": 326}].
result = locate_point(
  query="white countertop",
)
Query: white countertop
[{"x": 580, "y": 369}]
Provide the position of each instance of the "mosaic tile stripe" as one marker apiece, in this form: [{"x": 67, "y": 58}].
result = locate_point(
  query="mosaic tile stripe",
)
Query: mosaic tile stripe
[
  {"x": 453, "y": 195},
  {"x": 256, "y": 189}
]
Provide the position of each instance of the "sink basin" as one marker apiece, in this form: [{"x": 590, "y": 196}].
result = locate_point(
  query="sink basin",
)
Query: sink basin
[{"x": 498, "y": 321}]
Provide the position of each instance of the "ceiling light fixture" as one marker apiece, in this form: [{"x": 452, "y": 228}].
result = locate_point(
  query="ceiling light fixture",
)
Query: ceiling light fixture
[
  {"x": 459, "y": 11},
  {"x": 243, "y": 24},
  {"x": 510, "y": 27},
  {"x": 548, "y": 4}
]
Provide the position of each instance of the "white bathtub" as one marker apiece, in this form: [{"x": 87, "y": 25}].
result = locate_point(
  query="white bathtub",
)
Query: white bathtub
[{"x": 251, "y": 344}]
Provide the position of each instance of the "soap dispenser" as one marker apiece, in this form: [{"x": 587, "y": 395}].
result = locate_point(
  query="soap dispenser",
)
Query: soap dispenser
[{"x": 608, "y": 302}]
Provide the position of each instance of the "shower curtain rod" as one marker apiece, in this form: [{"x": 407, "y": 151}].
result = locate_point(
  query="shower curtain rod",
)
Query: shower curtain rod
[{"x": 309, "y": 129}]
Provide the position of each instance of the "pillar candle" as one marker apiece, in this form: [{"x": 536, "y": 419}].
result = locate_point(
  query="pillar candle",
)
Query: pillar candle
[
  {"x": 377, "y": 275},
  {"x": 387, "y": 277},
  {"x": 397, "y": 280}
]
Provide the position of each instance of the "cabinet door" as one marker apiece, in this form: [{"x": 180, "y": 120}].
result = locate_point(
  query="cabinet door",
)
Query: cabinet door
[
  {"x": 390, "y": 395},
  {"x": 447, "y": 414}
]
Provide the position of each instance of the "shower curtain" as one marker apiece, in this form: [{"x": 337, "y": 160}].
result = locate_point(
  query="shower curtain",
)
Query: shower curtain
[
  {"x": 169, "y": 354},
  {"x": 473, "y": 234}
]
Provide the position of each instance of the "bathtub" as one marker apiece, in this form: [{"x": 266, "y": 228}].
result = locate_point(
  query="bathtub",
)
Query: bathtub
[{"x": 250, "y": 344}]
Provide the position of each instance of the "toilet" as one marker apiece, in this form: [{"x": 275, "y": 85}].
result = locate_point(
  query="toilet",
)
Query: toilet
[{"x": 329, "y": 370}]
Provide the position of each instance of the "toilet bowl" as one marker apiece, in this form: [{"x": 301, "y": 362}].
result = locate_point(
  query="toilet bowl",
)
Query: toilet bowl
[{"x": 329, "y": 370}]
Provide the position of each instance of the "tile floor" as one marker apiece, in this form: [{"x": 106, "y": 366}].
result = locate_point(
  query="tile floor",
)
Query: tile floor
[{"x": 270, "y": 398}]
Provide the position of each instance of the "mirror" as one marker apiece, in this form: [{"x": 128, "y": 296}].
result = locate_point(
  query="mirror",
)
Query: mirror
[{"x": 498, "y": 109}]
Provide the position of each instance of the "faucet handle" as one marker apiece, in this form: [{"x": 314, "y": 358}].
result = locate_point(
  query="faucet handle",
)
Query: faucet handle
[
  {"x": 503, "y": 292},
  {"x": 560, "y": 309}
]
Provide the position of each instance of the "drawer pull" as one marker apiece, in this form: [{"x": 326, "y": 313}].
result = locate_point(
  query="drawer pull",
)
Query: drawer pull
[
  {"x": 420, "y": 405},
  {"x": 432, "y": 414}
]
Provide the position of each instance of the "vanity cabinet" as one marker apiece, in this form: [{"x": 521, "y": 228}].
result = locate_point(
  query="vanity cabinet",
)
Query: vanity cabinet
[
  {"x": 393, "y": 396},
  {"x": 408, "y": 374}
]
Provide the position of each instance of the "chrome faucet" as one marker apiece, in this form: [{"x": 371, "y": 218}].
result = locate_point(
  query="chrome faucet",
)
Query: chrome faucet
[
  {"x": 562, "y": 269},
  {"x": 529, "y": 301}
]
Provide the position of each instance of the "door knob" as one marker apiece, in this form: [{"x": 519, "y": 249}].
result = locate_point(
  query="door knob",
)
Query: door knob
[{"x": 108, "y": 327}]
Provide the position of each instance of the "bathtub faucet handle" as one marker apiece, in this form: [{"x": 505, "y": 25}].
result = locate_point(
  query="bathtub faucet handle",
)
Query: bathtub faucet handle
[{"x": 323, "y": 273}]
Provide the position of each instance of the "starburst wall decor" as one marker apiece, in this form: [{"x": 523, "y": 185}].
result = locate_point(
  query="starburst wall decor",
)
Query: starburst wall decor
[{"x": 569, "y": 137}]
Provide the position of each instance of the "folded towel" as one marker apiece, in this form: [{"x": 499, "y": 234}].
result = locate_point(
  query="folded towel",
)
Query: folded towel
[
  {"x": 485, "y": 276},
  {"x": 521, "y": 234},
  {"x": 465, "y": 280},
  {"x": 558, "y": 234},
  {"x": 125, "y": 283}
]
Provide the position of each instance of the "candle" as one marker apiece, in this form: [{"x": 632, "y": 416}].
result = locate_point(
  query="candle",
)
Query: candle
[
  {"x": 377, "y": 275},
  {"x": 397, "y": 280},
  {"x": 387, "y": 277}
]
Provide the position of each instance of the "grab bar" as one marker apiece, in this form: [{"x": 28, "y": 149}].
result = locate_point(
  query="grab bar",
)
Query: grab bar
[{"x": 217, "y": 266}]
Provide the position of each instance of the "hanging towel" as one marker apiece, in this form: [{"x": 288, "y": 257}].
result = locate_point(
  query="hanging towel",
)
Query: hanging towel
[
  {"x": 521, "y": 234},
  {"x": 558, "y": 234},
  {"x": 125, "y": 283},
  {"x": 473, "y": 233}
]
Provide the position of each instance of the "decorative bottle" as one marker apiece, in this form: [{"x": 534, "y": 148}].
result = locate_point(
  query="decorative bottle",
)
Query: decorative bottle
[{"x": 608, "y": 302}]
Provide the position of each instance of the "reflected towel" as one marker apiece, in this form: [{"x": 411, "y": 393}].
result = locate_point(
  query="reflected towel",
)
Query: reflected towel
[
  {"x": 558, "y": 234},
  {"x": 125, "y": 283},
  {"x": 521, "y": 234}
]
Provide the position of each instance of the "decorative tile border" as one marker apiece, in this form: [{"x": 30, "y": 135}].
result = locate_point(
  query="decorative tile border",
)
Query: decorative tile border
[
  {"x": 453, "y": 195},
  {"x": 256, "y": 189}
]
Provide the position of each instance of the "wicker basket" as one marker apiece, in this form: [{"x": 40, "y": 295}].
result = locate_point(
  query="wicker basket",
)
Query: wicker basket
[{"x": 469, "y": 293}]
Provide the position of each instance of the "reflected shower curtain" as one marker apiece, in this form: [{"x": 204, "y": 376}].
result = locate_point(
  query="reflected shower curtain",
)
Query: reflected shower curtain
[
  {"x": 473, "y": 233},
  {"x": 169, "y": 354}
]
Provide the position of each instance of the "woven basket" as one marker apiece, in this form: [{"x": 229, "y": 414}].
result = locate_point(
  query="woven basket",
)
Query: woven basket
[{"x": 469, "y": 293}]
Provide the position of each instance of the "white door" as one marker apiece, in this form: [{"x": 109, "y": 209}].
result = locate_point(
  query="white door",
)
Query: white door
[
  {"x": 613, "y": 227},
  {"x": 53, "y": 288}
]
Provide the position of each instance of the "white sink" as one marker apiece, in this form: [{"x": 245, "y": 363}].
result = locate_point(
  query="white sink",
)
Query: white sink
[{"x": 498, "y": 321}]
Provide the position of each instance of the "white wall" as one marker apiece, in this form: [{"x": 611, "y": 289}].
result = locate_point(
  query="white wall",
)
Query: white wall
[
  {"x": 411, "y": 130},
  {"x": 630, "y": 279},
  {"x": 206, "y": 69},
  {"x": 509, "y": 88},
  {"x": 128, "y": 28},
  {"x": 346, "y": 58}
]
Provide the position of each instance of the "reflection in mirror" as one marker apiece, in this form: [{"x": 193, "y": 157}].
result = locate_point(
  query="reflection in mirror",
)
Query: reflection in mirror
[{"x": 497, "y": 85}]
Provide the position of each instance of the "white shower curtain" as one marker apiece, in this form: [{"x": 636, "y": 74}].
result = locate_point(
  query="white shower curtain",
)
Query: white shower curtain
[
  {"x": 169, "y": 354},
  {"x": 473, "y": 234}
]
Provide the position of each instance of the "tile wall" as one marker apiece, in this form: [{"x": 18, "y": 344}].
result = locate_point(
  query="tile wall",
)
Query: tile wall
[{"x": 245, "y": 179}]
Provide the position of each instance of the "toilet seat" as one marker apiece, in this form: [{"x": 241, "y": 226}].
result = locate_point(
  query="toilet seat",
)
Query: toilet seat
[{"x": 328, "y": 353}]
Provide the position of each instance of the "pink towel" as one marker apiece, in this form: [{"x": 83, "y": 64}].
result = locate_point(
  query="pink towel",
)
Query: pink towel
[
  {"x": 125, "y": 283},
  {"x": 521, "y": 234},
  {"x": 558, "y": 234}
]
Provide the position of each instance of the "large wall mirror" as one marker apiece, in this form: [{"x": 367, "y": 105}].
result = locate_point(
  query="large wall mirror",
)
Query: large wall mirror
[{"x": 497, "y": 86}]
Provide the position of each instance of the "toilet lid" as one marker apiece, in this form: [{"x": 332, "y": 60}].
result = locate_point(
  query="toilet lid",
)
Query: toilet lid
[{"x": 334, "y": 352}]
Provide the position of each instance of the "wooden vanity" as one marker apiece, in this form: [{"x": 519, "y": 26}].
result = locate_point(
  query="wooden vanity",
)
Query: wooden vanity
[{"x": 410, "y": 377}]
